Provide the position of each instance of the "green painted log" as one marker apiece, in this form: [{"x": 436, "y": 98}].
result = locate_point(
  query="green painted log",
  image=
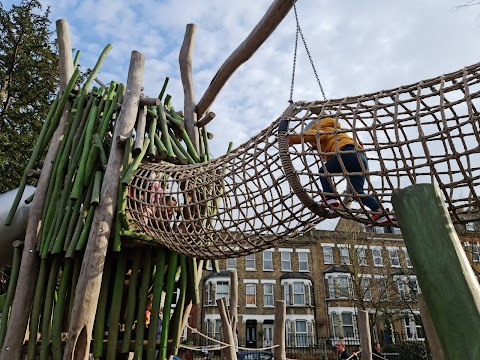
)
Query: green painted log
[
  {"x": 127, "y": 179},
  {"x": 152, "y": 129},
  {"x": 157, "y": 297},
  {"x": 175, "y": 122},
  {"x": 177, "y": 317},
  {"x": 59, "y": 310},
  {"x": 136, "y": 235},
  {"x": 170, "y": 287},
  {"x": 182, "y": 156},
  {"x": 76, "y": 59},
  {"x": 161, "y": 149},
  {"x": 168, "y": 97},
  {"x": 82, "y": 241},
  {"x": 97, "y": 186},
  {"x": 116, "y": 305},
  {"x": 131, "y": 299},
  {"x": 164, "y": 129},
  {"x": 100, "y": 316},
  {"x": 142, "y": 303},
  {"x": 106, "y": 120},
  {"x": 37, "y": 151},
  {"x": 77, "y": 266},
  {"x": 48, "y": 305},
  {"x": 165, "y": 83},
  {"x": 192, "y": 269},
  {"x": 64, "y": 242},
  {"x": 449, "y": 286},
  {"x": 12, "y": 285},
  {"x": 36, "y": 310},
  {"x": 102, "y": 154},
  {"x": 190, "y": 148},
  {"x": 121, "y": 216},
  {"x": 205, "y": 142}
]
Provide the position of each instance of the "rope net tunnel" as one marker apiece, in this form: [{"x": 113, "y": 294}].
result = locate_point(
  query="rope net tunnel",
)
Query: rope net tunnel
[{"x": 266, "y": 192}]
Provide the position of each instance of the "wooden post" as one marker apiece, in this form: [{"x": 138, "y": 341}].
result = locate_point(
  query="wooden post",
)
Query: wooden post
[
  {"x": 448, "y": 283},
  {"x": 234, "y": 303},
  {"x": 27, "y": 277},
  {"x": 229, "y": 352},
  {"x": 432, "y": 337},
  {"x": 279, "y": 333},
  {"x": 364, "y": 331},
  {"x": 189, "y": 107},
  {"x": 89, "y": 282},
  {"x": 267, "y": 25}
]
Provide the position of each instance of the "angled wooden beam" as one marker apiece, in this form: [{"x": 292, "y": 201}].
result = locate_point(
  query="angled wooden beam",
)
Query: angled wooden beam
[
  {"x": 90, "y": 279},
  {"x": 272, "y": 18},
  {"x": 12, "y": 346}
]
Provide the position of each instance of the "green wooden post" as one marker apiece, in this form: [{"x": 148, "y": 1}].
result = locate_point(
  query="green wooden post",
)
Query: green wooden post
[{"x": 448, "y": 283}]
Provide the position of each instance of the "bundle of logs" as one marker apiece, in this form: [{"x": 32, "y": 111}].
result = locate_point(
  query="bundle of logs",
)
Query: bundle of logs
[{"x": 135, "y": 275}]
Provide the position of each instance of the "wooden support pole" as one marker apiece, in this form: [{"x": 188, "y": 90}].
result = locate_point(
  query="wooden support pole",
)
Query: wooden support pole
[
  {"x": 185, "y": 60},
  {"x": 12, "y": 346},
  {"x": 432, "y": 337},
  {"x": 272, "y": 18},
  {"x": 279, "y": 334},
  {"x": 230, "y": 353},
  {"x": 449, "y": 286},
  {"x": 234, "y": 302},
  {"x": 209, "y": 116},
  {"x": 364, "y": 331},
  {"x": 89, "y": 282}
]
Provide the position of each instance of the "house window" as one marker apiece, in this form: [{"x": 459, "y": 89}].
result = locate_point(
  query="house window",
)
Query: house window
[
  {"x": 338, "y": 287},
  {"x": 407, "y": 259},
  {"x": 268, "y": 260},
  {"x": 412, "y": 287},
  {"x": 335, "y": 325},
  {"x": 344, "y": 255},
  {"x": 394, "y": 260},
  {"x": 286, "y": 263},
  {"x": 303, "y": 261},
  {"x": 267, "y": 294},
  {"x": 298, "y": 293},
  {"x": 475, "y": 253},
  {"x": 413, "y": 327},
  {"x": 250, "y": 262},
  {"x": 301, "y": 334},
  {"x": 250, "y": 294},
  {"x": 218, "y": 323},
  {"x": 347, "y": 325},
  {"x": 377, "y": 257},
  {"x": 362, "y": 256},
  {"x": 222, "y": 291},
  {"x": 365, "y": 289},
  {"x": 401, "y": 288},
  {"x": 286, "y": 294},
  {"x": 382, "y": 288},
  {"x": 231, "y": 263},
  {"x": 328, "y": 254}
]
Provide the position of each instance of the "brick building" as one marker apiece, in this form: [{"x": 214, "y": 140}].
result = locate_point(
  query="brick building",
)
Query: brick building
[{"x": 325, "y": 277}]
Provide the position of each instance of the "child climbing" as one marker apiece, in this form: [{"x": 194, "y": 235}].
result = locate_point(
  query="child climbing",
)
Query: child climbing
[{"x": 323, "y": 133}]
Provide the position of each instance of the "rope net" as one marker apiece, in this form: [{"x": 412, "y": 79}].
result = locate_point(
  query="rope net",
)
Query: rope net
[{"x": 266, "y": 192}]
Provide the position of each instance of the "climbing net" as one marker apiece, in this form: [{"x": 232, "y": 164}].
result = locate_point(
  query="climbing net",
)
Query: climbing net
[{"x": 266, "y": 192}]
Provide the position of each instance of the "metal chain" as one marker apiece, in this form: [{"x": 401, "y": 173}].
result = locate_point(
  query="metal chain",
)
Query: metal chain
[{"x": 299, "y": 31}]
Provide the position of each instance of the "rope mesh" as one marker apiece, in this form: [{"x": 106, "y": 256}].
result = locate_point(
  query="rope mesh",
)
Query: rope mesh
[{"x": 265, "y": 192}]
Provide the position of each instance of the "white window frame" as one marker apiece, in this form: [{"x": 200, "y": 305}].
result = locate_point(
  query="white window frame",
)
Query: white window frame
[
  {"x": 407, "y": 258},
  {"x": 333, "y": 281},
  {"x": 267, "y": 261},
  {"x": 301, "y": 337},
  {"x": 249, "y": 259},
  {"x": 350, "y": 327},
  {"x": 304, "y": 261},
  {"x": 362, "y": 255},
  {"x": 344, "y": 254},
  {"x": 248, "y": 292},
  {"x": 268, "y": 293},
  {"x": 377, "y": 258},
  {"x": 475, "y": 252},
  {"x": 286, "y": 260},
  {"x": 299, "y": 290},
  {"x": 222, "y": 283},
  {"x": 393, "y": 256},
  {"x": 365, "y": 288},
  {"x": 328, "y": 254},
  {"x": 231, "y": 263}
]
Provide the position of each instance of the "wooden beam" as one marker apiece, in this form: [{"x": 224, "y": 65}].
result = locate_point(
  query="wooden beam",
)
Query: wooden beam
[
  {"x": 272, "y": 18},
  {"x": 12, "y": 346},
  {"x": 189, "y": 107},
  {"x": 364, "y": 331},
  {"x": 89, "y": 282},
  {"x": 279, "y": 333},
  {"x": 432, "y": 337},
  {"x": 449, "y": 286},
  {"x": 229, "y": 352}
]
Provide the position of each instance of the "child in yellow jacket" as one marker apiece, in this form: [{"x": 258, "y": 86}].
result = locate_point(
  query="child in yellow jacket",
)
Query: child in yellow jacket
[{"x": 323, "y": 133}]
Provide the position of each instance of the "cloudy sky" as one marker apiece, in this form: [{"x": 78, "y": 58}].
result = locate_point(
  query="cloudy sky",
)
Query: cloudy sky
[{"x": 357, "y": 47}]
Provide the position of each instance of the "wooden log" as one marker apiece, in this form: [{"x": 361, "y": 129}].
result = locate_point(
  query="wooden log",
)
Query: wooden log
[
  {"x": 279, "y": 335},
  {"x": 272, "y": 18},
  {"x": 442, "y": 268},
  {"x": 189, "y": 106},
  {"x": 147, "y": 101},
  {"x": 140, "y": 130},
  {"x": 209, "y": 116},
  {"x": 234, "y": 302},
  {"x": 229, "y": 352},
  {"x": 364, "y": 332},
  {"x": 432, "y": 337},
  {"x": 12, "y": 345},
  {"x": 88, "y": 287}
]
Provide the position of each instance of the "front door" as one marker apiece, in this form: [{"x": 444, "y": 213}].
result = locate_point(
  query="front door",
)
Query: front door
[
  {"x": 251, "y": 331},
  {"x": 267, "y": 335}
]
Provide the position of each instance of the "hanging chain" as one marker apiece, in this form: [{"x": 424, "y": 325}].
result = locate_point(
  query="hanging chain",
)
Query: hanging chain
[{"x": 299, "y": 32}]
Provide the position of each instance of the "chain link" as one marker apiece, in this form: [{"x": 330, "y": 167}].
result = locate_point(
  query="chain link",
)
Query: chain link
[{"x": 299, "y": 32}]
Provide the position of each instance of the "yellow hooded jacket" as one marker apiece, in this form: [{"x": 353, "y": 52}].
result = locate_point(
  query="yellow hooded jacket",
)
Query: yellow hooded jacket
[{"x": 326, "y": 137}]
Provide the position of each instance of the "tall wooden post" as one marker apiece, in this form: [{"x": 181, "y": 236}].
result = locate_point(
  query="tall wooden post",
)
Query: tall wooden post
[
  {"x": 432, "y": 337},
  {"x": 364, "y": 331},
  {"x": 89, "y": 282},
  {"x": 27, "y": 277},
  {"x": 447, "y": 281},
  {"x": 279, "y": 333}
]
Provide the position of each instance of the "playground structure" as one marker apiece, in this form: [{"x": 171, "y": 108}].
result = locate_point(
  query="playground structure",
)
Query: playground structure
[{"x": 253, "y": 198}]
